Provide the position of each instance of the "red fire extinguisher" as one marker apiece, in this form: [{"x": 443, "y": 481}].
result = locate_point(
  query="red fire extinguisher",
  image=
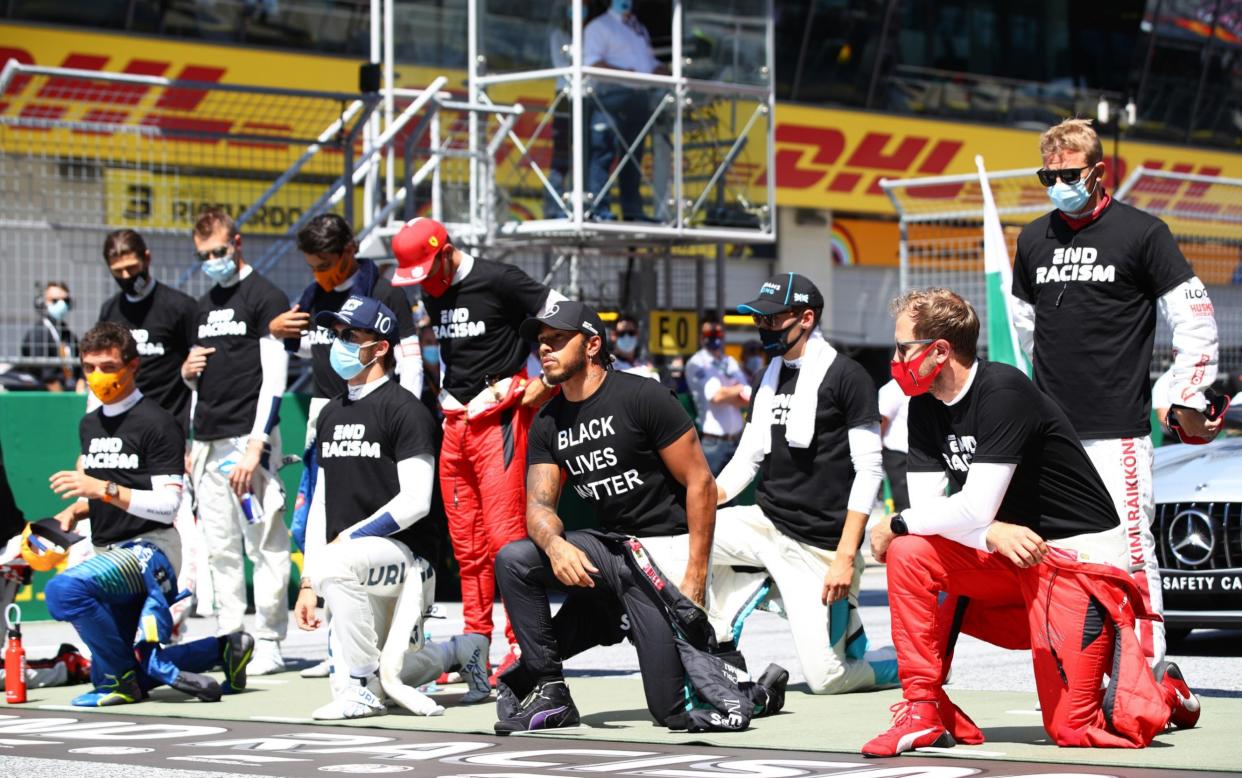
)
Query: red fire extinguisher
[{"x": 14, "y": 657}]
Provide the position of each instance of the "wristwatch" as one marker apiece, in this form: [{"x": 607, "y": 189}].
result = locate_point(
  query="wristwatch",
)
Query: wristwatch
[
  {"x": 897, "y": 525},
  {"x": 111, "y": 491}
]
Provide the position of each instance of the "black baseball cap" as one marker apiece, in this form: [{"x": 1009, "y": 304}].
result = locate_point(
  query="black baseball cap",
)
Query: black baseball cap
[
  {"x": 568, "y": 315},
  {"x": 363, "y": 313},
  {"x": 782, "y": 292}
]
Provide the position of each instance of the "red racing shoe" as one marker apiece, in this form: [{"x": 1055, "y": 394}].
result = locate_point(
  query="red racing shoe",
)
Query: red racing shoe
[
  {"x": 958, "y": 724},
  {"x": 916, "y": 724},
  {"x": 1182, "y": 701},
  {"x": 509, "y": 661}
]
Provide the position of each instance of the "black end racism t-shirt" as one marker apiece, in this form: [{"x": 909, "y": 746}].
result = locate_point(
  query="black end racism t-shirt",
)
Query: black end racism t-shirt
[
  {"x": 609, "y": 447},
  {"x": 476, "y": 322},
  {"x": 327, "y": 382},
  {"x": 232, "y": 320},
  {"x": 128, "y": 449},
  {"x": 1003, "y": 418},
  {"x": 1095, "y": 292},
  {"x": 360, "y": 443},
  {"x": 804, "y": 491},
  {"x": 163, "y": 324}
]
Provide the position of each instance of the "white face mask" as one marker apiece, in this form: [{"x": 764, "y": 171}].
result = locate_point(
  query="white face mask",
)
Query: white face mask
[{"x": 57, "y": 310}]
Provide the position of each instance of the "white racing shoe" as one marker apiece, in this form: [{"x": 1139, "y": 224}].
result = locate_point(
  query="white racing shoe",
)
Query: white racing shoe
[
  {"x": 359, "y": 700},
  {"x": 470, "y": 655},
  {"x": 267, "y": 658},
  {"x": 321, "y": 670}
]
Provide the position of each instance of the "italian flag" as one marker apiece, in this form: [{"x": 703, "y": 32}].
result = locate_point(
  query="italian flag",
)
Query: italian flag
[{"x": 1003, "y": 343}]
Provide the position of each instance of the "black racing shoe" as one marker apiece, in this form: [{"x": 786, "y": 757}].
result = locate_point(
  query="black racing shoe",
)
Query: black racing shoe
[
  {"x": 235, "y": 654},
  {"x": 773, "y": 682},
  {"x": 549, "y": 706},
  {"x": 203, "y": 687}
]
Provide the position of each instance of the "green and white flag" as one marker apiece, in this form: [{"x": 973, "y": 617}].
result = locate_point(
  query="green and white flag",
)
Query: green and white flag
[{"x": 1003, "y": 345}]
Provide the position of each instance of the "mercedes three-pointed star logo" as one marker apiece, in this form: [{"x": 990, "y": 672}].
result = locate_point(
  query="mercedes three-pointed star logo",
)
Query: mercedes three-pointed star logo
[{"x": 1192, "y": 537}]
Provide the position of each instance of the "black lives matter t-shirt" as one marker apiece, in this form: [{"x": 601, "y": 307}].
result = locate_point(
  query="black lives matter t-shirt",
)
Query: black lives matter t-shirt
[
  {"x": 476, "y": 322},
  {"x": 1095, "y": 295},
  {"x": 327, "y": 382},
  {"x": 128, "y": 449},
  {"x": 232, "y": 320},
  {"x": 1003, "y": 418},
  {"x": 360, "y": 443},
  {"x": 804, "y": 491},
  {"x": 163, "y": 325},
  {"x": 609, "y": 447}
]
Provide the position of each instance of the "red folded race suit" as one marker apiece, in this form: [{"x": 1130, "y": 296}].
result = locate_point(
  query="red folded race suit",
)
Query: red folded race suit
[{"x": 1076, "y": 618}]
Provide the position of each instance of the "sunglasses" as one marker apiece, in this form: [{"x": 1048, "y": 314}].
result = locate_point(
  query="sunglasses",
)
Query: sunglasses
[
  {"x": 1069, "y": 175},
  {"x": 773, "y": 320},
  {"x": 350, "y": 334},
  {"x": 902, "y": 345},
  {"x": 219, "y": 252}
]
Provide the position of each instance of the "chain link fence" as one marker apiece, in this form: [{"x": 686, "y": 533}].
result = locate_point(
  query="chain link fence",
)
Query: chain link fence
[
  {"x": 941, "y": 223},
  {"x": 83, "y": 153}
]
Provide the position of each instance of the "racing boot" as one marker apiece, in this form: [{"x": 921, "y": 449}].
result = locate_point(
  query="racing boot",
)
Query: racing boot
[
  {"x": 203, "y": 687},
  {"x": 361, "y": 698},
  {"x": 1183, "y": 703},
  {"x": 470, "y": 661},
  {"x": 769, "y": 690},
  {"x": 509, "y": 661},
  {"x": 959, "y": 725},
  {"x": 236, "y": 651},
  {"x": 549, "y": 706},
  {"x": 916, "y": 724},
  {"x": 115, "y": 690}
]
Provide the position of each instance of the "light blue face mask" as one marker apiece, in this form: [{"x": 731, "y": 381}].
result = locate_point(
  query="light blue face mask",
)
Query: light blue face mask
[
  {"x": 622, "y": 6},
  {"x": 1069, "y": 198},
  {"x": 57, "y": 310},
  {"x": 431, "y": 355},
  {"x": 754, "y": 364},
  {"x": 627, "y": 344},
  {"x": 220, "y": 270},
  {"x": 344, "y": 358}
]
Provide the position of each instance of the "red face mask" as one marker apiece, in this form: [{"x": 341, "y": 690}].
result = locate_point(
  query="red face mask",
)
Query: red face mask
[
  {"x": 438, "y": 282},
  {"x": 906, "y": 374}
]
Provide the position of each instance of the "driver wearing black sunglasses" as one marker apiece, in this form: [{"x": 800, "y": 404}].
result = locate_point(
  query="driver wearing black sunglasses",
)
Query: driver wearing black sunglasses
[{"x": 1089, "y": 279}]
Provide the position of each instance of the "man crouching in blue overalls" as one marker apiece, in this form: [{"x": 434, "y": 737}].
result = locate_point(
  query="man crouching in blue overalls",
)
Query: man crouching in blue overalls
[{"x": 128, "y": 483}]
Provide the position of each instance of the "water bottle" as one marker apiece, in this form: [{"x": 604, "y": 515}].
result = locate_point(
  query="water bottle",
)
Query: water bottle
[
  {"x": 252, "y": 507},
  {"x": 14, "y": 658}
]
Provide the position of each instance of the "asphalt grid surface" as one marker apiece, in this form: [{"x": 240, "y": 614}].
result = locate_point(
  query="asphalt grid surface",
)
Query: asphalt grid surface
[
  {"x": 54, "y": 744},
  {"x": 1209, "y": 660}
]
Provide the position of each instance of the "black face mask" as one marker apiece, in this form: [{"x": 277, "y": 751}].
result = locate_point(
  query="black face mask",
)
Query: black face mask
[
  {"x": 775, "y": 342},
  {"x": 134, "y": 285}
]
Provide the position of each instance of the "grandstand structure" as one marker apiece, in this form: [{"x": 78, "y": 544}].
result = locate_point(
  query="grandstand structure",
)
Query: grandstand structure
[{"x": 84, "y": 152}]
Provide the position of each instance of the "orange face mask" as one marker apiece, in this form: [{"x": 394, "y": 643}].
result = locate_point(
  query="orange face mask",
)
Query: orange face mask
[
  {"x": 334, "y": 276},
  {"x": 110, "y": 387}
]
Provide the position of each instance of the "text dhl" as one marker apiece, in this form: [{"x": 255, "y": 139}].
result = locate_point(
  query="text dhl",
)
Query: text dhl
[
  {"x": 827, "y": 159},
  {"x": 100, "y": 104}
]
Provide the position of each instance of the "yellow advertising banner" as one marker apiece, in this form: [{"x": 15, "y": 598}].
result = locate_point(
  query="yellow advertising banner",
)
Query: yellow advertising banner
[
  {"x": 831, "y": 158},
  {"x": 824, "y": 157},
  {"x": 143, "y": 200}
]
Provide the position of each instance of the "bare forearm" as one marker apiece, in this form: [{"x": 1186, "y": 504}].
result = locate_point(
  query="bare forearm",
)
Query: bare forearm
[
  {"x": 701, "y": 520},
  {"x": 852, "y": 534},
  {"x": 543, "y": 526},
  {"x": 543, "y": 492}
]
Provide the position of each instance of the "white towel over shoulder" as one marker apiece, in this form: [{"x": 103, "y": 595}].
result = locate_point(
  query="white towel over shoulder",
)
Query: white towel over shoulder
[{"x": 800, "y": 422}]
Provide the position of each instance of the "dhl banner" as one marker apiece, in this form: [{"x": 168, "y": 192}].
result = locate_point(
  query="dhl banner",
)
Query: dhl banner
[{"x": 824, "y": 158}]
